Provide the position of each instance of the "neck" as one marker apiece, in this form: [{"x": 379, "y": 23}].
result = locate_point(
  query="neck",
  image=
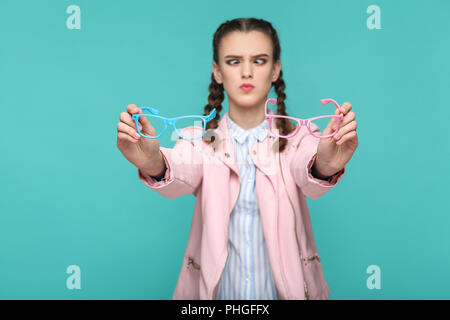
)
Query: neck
[{"x": 247, "y": 118}]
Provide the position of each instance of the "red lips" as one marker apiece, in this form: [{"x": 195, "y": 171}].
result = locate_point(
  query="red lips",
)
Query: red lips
[{"x": 247, "y": 87}]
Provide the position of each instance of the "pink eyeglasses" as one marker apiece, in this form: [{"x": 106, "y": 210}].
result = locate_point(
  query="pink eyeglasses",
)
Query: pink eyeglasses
[{"x": 299, "y": 122}]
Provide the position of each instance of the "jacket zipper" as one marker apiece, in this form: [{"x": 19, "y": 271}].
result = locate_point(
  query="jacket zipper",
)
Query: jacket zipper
[
  {"x": 194, "y": 264},
  {"x": 226, "y": 261},
  {"x": 295, "y": 225}
]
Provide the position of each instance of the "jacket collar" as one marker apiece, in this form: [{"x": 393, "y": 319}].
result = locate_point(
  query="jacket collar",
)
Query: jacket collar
[
  {"x": 263, "y": 155},
  {"x": 259, "y": 132}
]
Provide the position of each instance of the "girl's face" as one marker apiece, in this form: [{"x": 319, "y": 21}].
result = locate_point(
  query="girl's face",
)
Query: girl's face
[{"x": 246, "y": 58}]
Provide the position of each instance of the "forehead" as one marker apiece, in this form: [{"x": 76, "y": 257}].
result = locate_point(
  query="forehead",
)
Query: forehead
[{"x": 245, "y": 44}]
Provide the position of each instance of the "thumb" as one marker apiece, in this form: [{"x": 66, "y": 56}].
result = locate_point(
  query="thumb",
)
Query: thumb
[
  {"x": 332, "y": 125},
  {"x": 147, "y": 128}
]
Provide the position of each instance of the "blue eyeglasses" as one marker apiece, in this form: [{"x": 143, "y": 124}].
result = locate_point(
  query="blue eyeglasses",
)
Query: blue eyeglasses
[{"x": 160, "y": 123}]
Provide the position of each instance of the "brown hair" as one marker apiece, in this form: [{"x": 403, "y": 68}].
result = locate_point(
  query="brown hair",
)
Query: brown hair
[{"x": 216, "y": 91}]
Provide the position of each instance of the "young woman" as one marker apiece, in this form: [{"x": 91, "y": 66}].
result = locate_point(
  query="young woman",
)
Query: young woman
[{"x": 251, "y": 234}]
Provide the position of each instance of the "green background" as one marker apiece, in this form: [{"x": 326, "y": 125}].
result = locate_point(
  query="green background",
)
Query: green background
[{"x": 69, "y": 197}]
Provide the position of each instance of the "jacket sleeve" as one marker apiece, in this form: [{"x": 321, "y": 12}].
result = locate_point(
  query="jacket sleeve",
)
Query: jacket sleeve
[
  {"x": 301, "y": 164},
  {"x": 184, "y": 170}
]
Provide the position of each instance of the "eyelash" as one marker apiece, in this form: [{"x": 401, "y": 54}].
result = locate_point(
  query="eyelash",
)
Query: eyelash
[{"x": 264, "y": 61}]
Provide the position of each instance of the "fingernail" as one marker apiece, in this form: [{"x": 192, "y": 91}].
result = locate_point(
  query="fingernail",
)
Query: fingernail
[{"x": 137, "y": 135}]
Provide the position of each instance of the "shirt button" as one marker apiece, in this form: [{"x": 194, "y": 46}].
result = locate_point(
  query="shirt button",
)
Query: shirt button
[{"x": 254, "y": 152}]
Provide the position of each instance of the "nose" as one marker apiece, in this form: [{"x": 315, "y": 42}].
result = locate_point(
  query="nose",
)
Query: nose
[{"x": 247, "y": 71}]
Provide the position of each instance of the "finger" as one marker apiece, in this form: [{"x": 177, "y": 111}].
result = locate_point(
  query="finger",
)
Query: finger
[
  {"x": 335, "y": 121},
  {"x": 330, "y": 128},
  {"x": 124, "y": 128},
  {"x": 349, "y": 117},
  {"x": 145, "y": 124},
  {"x": 125, "y": 117},
  {"x": 132, "y": 109},
  {"x": 345, "y": 129},
  {"x": 349, "y": 136},
  {"x": 346, "y": 107},
  {"x": 126, "y": 137}
]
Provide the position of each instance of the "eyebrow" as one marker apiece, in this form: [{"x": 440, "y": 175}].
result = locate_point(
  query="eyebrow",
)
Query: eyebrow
[{"x": 258, "y": 55}]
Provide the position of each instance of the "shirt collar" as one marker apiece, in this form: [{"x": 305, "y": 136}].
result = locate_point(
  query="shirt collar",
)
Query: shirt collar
[{"x": 260, "y": 132}]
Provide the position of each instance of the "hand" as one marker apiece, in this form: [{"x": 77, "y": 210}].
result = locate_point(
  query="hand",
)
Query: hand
[
  {"x": 334, "y": 152},
  {"x": 138, "y": 150}
]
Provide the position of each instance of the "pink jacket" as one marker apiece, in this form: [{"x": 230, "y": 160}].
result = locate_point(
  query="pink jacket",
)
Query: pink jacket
[{"x": 210, "y": 172}]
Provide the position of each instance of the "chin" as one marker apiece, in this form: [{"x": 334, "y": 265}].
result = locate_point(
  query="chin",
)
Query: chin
[{"x": 247, "y": 99}]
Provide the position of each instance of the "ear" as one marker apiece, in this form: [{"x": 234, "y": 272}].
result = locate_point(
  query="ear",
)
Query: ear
[
  {"x": 276, "y": 70},
  {"x": 216, "y": 71}
]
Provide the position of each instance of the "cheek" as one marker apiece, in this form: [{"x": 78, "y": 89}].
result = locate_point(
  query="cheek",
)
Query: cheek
[
  {"x": 231, "y": 77},
  {"x": 264, "y": 81},
  {"x": 264, "y": 76}
]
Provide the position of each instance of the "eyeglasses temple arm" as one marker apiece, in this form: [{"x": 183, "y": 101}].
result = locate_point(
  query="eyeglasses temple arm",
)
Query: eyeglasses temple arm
[
  {"x": 272, "y": 101},
  {"x": 151, "y": 110},
  {"x": 326, "y": 101},
  {"x": 211, "y": 115}
]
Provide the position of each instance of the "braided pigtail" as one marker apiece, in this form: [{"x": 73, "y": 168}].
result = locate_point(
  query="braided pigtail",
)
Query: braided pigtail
[
  {"x": 215, "y": 99},
  {"x": 284, "y": 125}
]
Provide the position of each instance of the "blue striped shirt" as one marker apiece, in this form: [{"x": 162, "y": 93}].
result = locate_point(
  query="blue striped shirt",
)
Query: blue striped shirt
[{"x": 247, "y": 274}]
